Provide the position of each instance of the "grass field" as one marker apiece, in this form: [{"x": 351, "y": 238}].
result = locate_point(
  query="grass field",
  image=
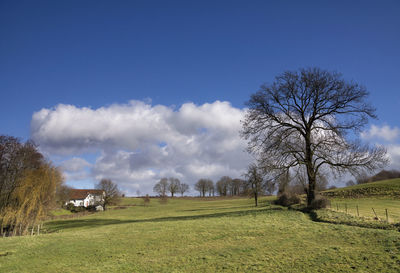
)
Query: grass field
[
  {"x": 365, "y": 205},
  {"x": 381, "y": 196},
  {"x": 384, "y": 188},
  {"x": 193, "y": 235}
]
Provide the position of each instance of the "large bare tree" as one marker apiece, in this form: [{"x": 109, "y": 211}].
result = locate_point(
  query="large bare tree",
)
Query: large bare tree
[{"x": 310, "y": 119}]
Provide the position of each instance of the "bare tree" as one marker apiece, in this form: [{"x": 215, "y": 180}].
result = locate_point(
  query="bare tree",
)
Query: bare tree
[
  {"x": 202, "y": 186},
  {"x": 362, "y": 178},
  {"x": 303, "y": 119},
  {"x": 210, "y": 187},
  {"x": 223, "y": 185},
  {"x": 161, "y": 187},
  {"x": 255, "y": 179},
  {"x": 236, "y": 185},
  {"x": 174, "y": 185},
  {"x": 183, "y": 188},
  {"x": 283, "y": 180},
  {"x": 28, "y": 186},
  {"x": 298, "y": 183},
  {"x": 62, "y": 194},
  {"x": 112, "y": 193}
]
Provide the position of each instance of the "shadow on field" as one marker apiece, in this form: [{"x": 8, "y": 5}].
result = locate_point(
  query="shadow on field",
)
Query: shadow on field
[
  {"x": 219, "y": 208},
  {"x": 55, "y": 226}
]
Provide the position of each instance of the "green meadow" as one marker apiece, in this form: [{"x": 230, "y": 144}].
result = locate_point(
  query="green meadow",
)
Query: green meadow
[
  {"x": 362, "y": 200},
  {"x": 201, "y": 235}
]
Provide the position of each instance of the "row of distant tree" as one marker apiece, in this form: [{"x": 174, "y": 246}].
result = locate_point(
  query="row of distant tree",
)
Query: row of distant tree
[
  {"x": 225, "y": 186},
  {"x": 255, "y": 183},
  {"x": 170, "y": 185}
]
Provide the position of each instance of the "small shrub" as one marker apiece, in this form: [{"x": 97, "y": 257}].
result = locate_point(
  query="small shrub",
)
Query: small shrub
[
  {"x": 78, "y": 209},
  {"x": 286, "y": 199},
  {"x": 320, "y": 202},
  {"x": 70, "y": 207},
  {"x": 91, "y": 208}
]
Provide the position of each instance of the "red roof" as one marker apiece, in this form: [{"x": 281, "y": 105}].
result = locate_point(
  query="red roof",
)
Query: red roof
[{"x": 82, "y": 193}]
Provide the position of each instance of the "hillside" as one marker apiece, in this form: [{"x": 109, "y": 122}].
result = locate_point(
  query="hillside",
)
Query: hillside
[
  {"x": 192, "y": 235},
  {"x": 388, "y": 188}
]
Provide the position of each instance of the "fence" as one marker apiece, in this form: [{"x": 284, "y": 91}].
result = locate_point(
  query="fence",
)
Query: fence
[{"x": 355, "y": 211}]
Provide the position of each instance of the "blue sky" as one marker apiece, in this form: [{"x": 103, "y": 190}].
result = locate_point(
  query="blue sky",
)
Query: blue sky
[{"x": 103, "y": 54}]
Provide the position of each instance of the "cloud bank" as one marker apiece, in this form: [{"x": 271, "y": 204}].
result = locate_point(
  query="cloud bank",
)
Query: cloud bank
[
  {"x": 138, "y": 143},
  {"x": 387, "y": 136},
  {"x": 385, "y": 133}
]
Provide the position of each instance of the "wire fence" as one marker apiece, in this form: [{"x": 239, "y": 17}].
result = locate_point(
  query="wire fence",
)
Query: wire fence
[{"x": 355, "y": 210}]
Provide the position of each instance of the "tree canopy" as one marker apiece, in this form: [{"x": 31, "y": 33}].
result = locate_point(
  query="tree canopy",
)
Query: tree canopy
[
  {"x": 28, "y": 186},
  {"x": 309, "y": 119},
  {"x": 112, "y": 193}
]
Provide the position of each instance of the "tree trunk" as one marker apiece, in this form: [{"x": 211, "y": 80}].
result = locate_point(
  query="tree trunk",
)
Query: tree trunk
[
  {"x": 310, "y": 170},
  {"x": 311, "y": 189},
  {"x": 256, "y": 198}
]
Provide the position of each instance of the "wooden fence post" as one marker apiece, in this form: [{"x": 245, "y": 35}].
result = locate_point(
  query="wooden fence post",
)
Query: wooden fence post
[
  {"x": 358, "y": 214},
  {"x": 345, "y": 205},
  {"x": 376, "y": 216},
  {"x": 387, "y": 216}
]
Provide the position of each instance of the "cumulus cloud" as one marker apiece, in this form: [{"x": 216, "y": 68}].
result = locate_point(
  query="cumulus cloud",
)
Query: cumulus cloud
[
  {"x": 75, "y": 168},
  {"x": 385, "y": 132},
  {"x": 139, "y": 143},
  {"x": 394, "y": 156}
]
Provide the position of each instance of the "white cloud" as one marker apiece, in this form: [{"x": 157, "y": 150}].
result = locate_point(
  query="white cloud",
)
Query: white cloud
[
  {"x": 394, "y": 155},
  {"x": 75, "y": 164},
  {"x": 385, "y": 132},
  {"x": 139, "y": 143},
  {"x": 75, "y": 168}
]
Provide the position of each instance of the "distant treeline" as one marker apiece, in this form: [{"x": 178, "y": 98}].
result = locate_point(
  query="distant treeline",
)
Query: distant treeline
[
  {"x": 225, "y": 186},
  {"x": 382, "y": 175}
]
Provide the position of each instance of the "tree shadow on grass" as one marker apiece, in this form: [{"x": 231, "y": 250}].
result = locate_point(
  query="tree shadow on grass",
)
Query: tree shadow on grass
[
  {"x": 55, "y": 226},
  {"x": 218, "y": 208}
]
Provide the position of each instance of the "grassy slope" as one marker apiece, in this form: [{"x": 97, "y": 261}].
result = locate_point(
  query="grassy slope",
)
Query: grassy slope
[
  {"x": 201, "y": 236},
  {"x": 379, "y": 195},
  {"x": 385, "y": 188}
]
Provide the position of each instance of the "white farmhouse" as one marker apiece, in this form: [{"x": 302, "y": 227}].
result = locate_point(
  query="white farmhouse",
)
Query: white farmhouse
[{"x": 86, "y": 197}]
